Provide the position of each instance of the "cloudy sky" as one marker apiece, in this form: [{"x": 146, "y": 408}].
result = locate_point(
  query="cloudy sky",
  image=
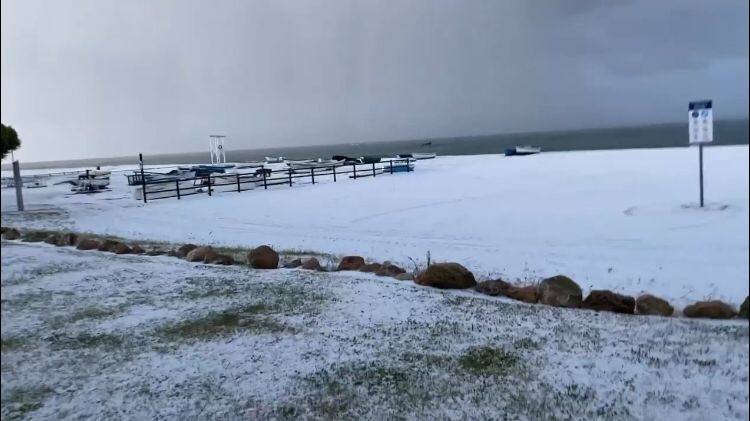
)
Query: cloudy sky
[{"x": 111, "y": 78}]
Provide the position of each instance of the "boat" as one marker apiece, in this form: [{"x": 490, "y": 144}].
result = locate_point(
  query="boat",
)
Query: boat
[
  {"x": 274, "y": 160},
  {"x": 423, "y": 155},
  {"x": 307, "y": 164},
  {"x": 428, "y": 143},
  {"x": 398, "y": 164},
  {"x": 522, "y": 150},
  {"x": 89, "y": 181},
  {"x": 30, "y": 182}
]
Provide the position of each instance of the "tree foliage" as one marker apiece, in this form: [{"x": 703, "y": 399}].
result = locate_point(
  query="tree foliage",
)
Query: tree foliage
[{"x": 9, "y": 140}]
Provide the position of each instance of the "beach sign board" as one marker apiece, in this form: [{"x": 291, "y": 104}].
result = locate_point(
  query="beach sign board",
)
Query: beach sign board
[{"x": 701, "y": 122}]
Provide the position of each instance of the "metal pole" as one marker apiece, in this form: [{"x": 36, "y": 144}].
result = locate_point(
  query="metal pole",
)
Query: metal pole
[
  {"x": 143, "y": 177},
  {"x": 19, "y": 185},
  {"x": 700, "y": 164}
]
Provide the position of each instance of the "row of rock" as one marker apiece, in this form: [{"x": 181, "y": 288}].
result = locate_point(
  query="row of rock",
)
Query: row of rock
[
  {"x": 558, "y": 291},
  {"x": 561, "y": 291}
]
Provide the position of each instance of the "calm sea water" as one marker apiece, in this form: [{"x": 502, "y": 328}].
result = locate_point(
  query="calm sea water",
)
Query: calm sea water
[{"x": 726, "y": 132}]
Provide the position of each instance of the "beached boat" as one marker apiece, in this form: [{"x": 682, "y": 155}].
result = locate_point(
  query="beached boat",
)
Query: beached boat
[
  {"x": 398, "y": 164},
  {"x": 275, "y": 160},
  {"x": 313, "y": 163},
  {"x": 522, "y": 150},
  {"x": 89, "y": 181},
  {"x": 30, "y": 182},
  {"x": 423, "y": 155}
]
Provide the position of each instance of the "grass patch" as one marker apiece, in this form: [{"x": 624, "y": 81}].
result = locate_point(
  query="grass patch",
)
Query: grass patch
[
  {"x": 488, "y": 360},
  {"x": 85, "y": 341},
  {"x": 20, "y": 401},
  {"x": 10, "y": 343},
  {"x": 252, "y": 318}
]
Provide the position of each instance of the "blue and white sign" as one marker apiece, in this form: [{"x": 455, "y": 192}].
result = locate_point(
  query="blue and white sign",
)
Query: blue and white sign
[{"x": 701, "y": 122}]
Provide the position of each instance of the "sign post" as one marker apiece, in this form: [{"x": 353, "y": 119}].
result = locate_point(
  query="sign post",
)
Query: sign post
[{"x": 701, "y": 131}]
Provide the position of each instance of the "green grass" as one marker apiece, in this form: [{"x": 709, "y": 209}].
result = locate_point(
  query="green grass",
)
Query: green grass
[
  {"x": 251, "y": 318},
  {"x": 11, "y": 343},
  {"x": 85, "y": 341},
  {"x": 21, "y": 401},
  {"x": 488, "y": 360}
]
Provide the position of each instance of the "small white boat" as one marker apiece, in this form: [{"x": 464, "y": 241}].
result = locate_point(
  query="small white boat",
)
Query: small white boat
[
  {"x": 274, "y": 160},
  {"x": 313, "y": 163},
  {"x": 423, "y": 155},
  {"x": 522, "y": 150}
]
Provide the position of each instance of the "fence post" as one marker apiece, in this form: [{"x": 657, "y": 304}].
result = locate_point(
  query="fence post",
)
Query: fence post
[
  {"x": 290, "y": 177},
  {"x": 407, "y": 165},
  {"x": 177, "y": 184},
  {"x": 209, "y": 184},
  {"x": 265, "y": 183},
  {"x": 373, "y": 169},
  {"x": 238, "y": 183},
  {"x": 143, "y": 179},
  {"x": 354, "y": 168},
  {"x": 334, "y": 173},
  {"x": 391, "y": 162},
  {"x": 312, "y": 174}
]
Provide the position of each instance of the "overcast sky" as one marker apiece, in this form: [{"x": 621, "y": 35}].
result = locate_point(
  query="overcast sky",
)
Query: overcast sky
[{"x": 112, "y": 78}]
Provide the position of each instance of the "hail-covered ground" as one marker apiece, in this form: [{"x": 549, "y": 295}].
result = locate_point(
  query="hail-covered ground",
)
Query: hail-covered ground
[
  {"x": 624, "y": 220},
  {"x": 87, "y": 334}
]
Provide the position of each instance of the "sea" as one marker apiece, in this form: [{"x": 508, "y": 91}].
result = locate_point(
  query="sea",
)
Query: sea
[{"x": 726, "y": 132}]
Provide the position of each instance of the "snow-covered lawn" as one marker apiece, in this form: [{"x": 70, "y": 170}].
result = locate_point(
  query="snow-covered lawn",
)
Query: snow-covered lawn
[
  {"x": 624, "y": 220},
  {"x": 90, "y": 334}
]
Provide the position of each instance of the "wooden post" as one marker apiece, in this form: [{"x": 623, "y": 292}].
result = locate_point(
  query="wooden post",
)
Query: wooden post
[
  {"x": 143, "y": 178},
  {"x": 265, "y": 183},
  {"x": 238, "y": 183},
  {"x": 290, "y": 177},
  {"x": 354, "y": 168},
  {"x": 700, "y": 172},
  {"x": 334, "y": 173},
  {"x": 177, "y": 184},
  {"x": 312, "y": 174},
  {"x": 373, "y": 169},
  {"x": 209, "y": 184},
  {"x": 18, "y": 181},
  {"x": 391, "y": 162}
]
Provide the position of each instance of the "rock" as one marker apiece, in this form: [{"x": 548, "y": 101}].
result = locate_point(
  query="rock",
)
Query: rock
[
  {"x": 496, "y": 287},
  {"x": 52, "y": 239},
  {"x": 121, "y": 248},
  {"x": 201, "y": 254},
  {"x": 107, "y": 245},
  {"x": 744, "y": 310},
  {"x": 67, "y": 239},
  {"x": 263, "y": 257},
  {"x": 603, "y": 300},
  {"x": 311, "y": 264},
  {"x": 34, "y": 236},
  {"x": 527, "y": 294},
  {"x": 389, "y": 269},
  {"x": 11, "y": 234},
  {"x": 137, "y": 249},
  {"x": 157, "y": 251},
  {"x": 293, "y": 264},
  {"x": 709, "y": 310},
  {"x": 88, "y": 244},
  {"x": 560, "y": 291},
  {"x": 184, "y": 249},
  {"x": 220, "y": 259},
  {"x": 446, "y": 275},
  {"x": 654, "y": 306},
  {"x": 351, "y": 263},
  {"x": 370, "y": 267},
  {"x": 3, "y": 230},
  {"x": 404, "y": 277}
]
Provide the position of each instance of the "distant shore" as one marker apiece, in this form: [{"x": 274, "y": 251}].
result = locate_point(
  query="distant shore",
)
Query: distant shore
[{"x": 726, "y": 132}]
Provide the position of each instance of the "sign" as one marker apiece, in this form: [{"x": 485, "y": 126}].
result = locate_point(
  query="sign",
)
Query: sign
[{"x": 701, "y": 122}]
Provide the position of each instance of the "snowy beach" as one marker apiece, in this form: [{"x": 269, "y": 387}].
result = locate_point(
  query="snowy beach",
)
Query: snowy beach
[{"x": 623, "y": 220}]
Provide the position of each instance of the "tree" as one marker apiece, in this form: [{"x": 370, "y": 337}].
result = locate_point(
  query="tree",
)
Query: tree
[{"x": 9, "y": 140}]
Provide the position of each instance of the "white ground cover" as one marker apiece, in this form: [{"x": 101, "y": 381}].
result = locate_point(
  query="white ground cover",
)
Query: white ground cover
[
  {"x": 91, "y": 334},
  {"x": 625, "y": 220}
]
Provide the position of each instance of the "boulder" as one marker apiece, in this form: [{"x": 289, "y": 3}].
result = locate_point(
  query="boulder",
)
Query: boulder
[
  {"x": 201, "y": 254},
  {"x": 293, "y": 264},
  {"x": 137, "y": 249},
  {"x": 560, "y": 291},
  {"x": 389, "y": 269},
  {"x": 311, "y": 264},
  {"x": 263, "y": 257},
  {"x": 653, "y": 306},
  {"x": 52, "y": 239},
  {"x": 351, "y": 263},
  {"x": 744, "y": 310},
  {"x": 11, "y": 234},
  {"x": 184, "y": 249},
  {"x": 67, "y": 239},
  {"x": 107, "y": 245},
  {"x": 709, "y": 310},
  {"x": 121, "y": 248},
  {"x": 3, "y": 230},
  {"x": 34, "y": 236},
  {"x": 603, "y": 300},
  {"x": 370, "y": 267},
  {"x": 496, "y": 287},
  {"x": 220, "y": 259},
  {"x": 527, "y": 294},
  {"x": 404, "y": 276},
  {"x": 88, "y": 244},
  {"x": 446, "y": 275},
  {"x": 156, "y": 251}
]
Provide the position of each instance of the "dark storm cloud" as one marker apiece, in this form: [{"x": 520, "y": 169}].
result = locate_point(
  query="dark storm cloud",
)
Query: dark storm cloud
[{"x": 97, "y": 78}]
